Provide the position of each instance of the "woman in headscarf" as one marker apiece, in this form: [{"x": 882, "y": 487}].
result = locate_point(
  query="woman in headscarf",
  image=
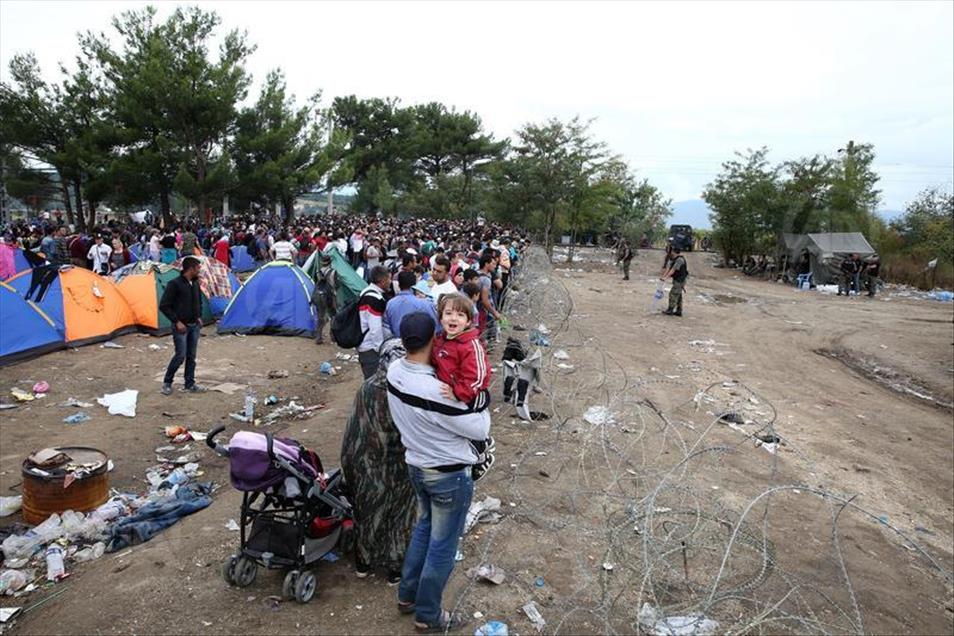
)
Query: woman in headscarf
[{"x": 372, "y": 460}]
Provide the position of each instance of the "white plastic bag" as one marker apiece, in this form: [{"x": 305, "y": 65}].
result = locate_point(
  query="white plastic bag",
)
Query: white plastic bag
[
  {"x": 122, "y": 403},
  {"x": 9, "y": 505}
]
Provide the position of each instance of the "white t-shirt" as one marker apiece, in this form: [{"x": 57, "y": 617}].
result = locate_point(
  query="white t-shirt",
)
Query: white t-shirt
[
  {"x": 284, "y": 250},
  {"x": 447, "y": 287},
  {"x": 100, "y": 256}
]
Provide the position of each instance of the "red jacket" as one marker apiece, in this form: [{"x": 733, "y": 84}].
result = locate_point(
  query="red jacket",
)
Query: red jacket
[{"x": 462, "y": 363}]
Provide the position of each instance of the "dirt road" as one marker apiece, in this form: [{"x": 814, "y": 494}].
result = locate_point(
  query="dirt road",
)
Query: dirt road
[{"x": 648, "y": 499}]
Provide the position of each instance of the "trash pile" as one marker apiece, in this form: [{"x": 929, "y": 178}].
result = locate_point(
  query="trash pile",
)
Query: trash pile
[
  {"x": 42, "y": 555},
  {"x": 906, "y": 291}
]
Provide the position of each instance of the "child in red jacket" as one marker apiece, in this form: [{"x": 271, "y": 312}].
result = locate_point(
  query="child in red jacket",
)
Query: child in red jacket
[{"x": 462, "y": 365}]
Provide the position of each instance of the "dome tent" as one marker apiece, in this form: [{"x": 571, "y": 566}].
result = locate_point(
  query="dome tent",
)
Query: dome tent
[
  {"x": 241, "y": 260},
  {"x": 26, "y": 331},
  {"x": 275, "y": 300},
  {"x": 142, "y": 285},
  {"x": 84, "y": 307}
]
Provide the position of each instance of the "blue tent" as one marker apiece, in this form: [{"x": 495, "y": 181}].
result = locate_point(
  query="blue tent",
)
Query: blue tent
[
  {"x": 26, "y": 331},
  {"x": 241, "y": 261},
  {"x": 275, "y": 300},
  {"x": 219, "y": 304},
  {"x": 20, "y": 263}
]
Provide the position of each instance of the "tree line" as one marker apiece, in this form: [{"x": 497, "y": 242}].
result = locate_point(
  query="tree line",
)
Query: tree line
[
  {"x": 755, "y": 202},
  {"x": 163, "y": 118}
]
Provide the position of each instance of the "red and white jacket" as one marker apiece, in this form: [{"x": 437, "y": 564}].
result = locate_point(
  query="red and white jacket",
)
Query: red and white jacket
[{"x": 462, "y": 363}]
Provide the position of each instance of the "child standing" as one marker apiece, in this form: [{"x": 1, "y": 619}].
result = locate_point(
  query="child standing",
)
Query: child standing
[{"x": 462, "y": 365}]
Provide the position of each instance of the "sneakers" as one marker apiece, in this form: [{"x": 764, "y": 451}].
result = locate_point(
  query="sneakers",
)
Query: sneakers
[
  {"x": 477, "y": 471},
  {"x": 196, "y": 388},
  {"x": 167, "y": 389},
  {"x": 394, "y": 577},
  {"x": 362, "y": 570}
]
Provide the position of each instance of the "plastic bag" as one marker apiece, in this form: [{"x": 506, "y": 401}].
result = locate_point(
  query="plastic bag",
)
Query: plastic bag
[
  {"x": 9, "y": 505},
  {"x": 12, "y": 581}
]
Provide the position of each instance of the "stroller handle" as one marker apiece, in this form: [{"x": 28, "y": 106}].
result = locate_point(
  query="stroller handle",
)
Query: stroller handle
[{"x": 220, "y": 450}]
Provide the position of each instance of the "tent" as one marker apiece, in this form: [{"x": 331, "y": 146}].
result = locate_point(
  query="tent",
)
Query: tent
[
  {"x": 276, "y": 300},
  {"x": 349, "y": 284},
  {"x": 218, "y": 283},
  {"x": 17, "y": 259},
  {"x": 26, "y": 331},
  {"x": 142, "y": 285},
  {"x": 826, "y": 251},
  {"x": 85, "y": 307},
  {"x": 241, "y": 260}
]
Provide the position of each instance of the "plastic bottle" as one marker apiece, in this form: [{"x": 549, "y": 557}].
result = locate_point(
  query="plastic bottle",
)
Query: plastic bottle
[
  {"x": 92, "y": 552},
  {"x": 54, "y": 563},
  {"x": 249, "y": 404},
  {"x": 109, "y": 510}
]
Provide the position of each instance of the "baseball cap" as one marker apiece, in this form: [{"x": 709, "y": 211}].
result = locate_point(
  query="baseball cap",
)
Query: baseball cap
[{"x": 417, "y": 329}]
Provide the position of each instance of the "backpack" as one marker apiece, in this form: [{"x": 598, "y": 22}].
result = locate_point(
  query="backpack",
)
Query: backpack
[{"x": 346, "y": 326}]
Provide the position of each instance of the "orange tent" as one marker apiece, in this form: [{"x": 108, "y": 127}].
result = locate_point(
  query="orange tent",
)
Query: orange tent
[{"x": 85, "y": 307}]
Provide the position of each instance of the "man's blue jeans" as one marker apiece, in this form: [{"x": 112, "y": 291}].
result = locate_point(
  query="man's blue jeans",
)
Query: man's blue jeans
[
  {"x": 442, "y": 503},
  {"x": 186, "y": 345}
]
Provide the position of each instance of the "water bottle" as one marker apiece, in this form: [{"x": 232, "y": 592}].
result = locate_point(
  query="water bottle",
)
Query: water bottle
[
  {"x": 249, "y": 405},
  {"x": 658, "y": 294},
  {"x": 54, "y": 563}
]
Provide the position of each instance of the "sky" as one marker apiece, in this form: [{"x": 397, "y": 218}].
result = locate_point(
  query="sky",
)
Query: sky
[{"x": 674, "y": 88}]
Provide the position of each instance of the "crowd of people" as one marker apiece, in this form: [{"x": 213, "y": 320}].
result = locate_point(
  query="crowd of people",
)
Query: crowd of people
[{"x": 419, "y": 433}]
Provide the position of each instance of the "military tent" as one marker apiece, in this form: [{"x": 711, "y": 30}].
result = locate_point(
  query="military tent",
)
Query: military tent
[
  {"x": 276, "y": 300},
  {"x": 826, "y": 251}
]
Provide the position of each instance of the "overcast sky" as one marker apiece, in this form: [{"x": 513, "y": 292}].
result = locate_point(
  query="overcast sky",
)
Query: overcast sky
[{"x": 675, "y": 88}]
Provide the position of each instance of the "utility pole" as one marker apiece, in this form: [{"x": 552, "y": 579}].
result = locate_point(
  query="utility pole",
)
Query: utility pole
[{"x": 331, "y": 194}]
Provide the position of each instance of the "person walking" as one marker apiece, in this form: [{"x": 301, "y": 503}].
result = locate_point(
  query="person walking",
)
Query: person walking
[
  {"x": 182, "y": 304},
  {"x": 624, "y": 255},
  {"x": 436, "y": 432},
  {"x": 323, "y": 298},
  {"x": 679, "y": 272},
  {"x": 872, "y": 272},
  {"x": 850, "y": 271}
]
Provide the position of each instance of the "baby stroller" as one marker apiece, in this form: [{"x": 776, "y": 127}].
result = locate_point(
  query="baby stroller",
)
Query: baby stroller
[{"x": 293, "y": 513}]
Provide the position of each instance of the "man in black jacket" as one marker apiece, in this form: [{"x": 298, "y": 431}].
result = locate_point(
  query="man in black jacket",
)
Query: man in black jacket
[{"x": 182, "y": 305}]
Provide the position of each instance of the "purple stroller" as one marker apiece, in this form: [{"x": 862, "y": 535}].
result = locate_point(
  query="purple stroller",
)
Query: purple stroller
[{"x": 293, "y": 513}]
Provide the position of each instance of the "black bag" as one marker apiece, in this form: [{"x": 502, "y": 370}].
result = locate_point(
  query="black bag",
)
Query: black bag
[{"x": 346, "y": 326}]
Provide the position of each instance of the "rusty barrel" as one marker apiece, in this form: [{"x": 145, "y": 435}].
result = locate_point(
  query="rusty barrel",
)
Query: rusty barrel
[{"x": 44, "y": 495}]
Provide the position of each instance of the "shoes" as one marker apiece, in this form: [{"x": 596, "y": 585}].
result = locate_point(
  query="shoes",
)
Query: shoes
[
  {"x": 668, "y": 312},
  {"x": 677, "y": 313},
  {"x": 362, "y": 570},
  {"x": 394, "y": 577},
  {"x": 319, "y": 342},
  {"x": 196, "y": 388},
  {"x": 167, "y": 389},
  {"x": 477, "y": 471}
]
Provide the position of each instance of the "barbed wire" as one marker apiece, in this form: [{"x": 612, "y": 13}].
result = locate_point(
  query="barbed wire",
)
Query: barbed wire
[{"x": 668, "y": 494}]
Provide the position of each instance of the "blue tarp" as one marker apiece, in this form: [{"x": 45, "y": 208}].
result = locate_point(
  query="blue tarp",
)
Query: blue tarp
[
  {"x": 25, "y": 331},
  {"x": 275, "y": 300}
]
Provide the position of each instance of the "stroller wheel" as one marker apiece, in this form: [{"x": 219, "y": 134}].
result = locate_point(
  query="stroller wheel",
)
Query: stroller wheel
[
  {"x": 305, "y": 586},
  {"x": 288, "y": 585},
  {"x": 228, "y": 569},
  {"x": 245, "y": 571}
]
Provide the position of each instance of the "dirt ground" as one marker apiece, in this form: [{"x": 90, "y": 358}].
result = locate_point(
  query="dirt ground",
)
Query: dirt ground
[{"x": 848, "y": 527}]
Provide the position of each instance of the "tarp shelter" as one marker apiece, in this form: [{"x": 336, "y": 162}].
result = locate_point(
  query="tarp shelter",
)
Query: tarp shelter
[
  {"x": 25, "y": 331},
  {"x": 218, "y": 283},
  {"x": 349, "y": 284},
  {"x": 142, "y": 285},
  {"x": 85, "y": 307},
  {"x": 826, "y": 251},
  {"x": 275, "y": 300},
  {"x": 241, "y": 260}
]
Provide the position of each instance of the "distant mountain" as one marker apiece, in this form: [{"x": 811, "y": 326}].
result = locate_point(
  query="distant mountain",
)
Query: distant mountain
[{"x": 694, "y": 212}]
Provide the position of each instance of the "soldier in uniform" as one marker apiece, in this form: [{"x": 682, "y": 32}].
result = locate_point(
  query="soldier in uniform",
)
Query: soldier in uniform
[
  {"x": 678, "y": 271},
  {"x": 624, "y": 255},
  {"x": 872, "y": 271}
]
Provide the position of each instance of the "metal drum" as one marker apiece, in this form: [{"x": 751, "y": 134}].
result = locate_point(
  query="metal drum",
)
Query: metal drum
[{"x": 44, "y": 495}]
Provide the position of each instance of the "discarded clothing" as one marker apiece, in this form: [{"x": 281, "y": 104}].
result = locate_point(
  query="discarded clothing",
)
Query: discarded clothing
[{"x": 152, "y": 518}]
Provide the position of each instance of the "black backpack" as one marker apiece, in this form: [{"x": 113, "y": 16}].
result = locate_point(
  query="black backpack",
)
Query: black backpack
[{"x": 346, "y": 326}]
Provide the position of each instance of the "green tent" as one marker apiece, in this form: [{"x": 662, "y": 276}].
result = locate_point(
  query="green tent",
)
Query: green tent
[{"x": 349, "y": 284}]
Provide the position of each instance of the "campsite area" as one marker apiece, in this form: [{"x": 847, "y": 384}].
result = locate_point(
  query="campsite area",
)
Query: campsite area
[{"x": 633, "y": 493}]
